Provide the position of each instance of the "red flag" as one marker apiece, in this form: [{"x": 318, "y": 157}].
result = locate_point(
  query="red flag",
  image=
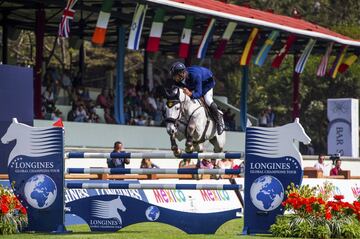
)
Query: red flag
[
  {"x": 58, "y": 123},
  {"x": 284, "y": 50}
]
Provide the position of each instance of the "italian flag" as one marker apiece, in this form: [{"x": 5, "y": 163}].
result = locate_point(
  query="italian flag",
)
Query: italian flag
[
  {"x": 156, "y": 31},
  {"x": 98, "y": 37},
  {"x": 185, "y": 37},
  {"x": 224, "y": 39}
]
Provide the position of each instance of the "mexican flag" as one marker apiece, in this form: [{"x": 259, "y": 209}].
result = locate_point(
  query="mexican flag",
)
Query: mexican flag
[
  {"x": 98, "y": 37},
  {"x": 185, "y": 37},
  {"x": 156, "y": 31}
]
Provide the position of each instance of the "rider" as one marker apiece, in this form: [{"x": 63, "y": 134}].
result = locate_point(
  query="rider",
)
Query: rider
[{"x": 197, "y": 82}]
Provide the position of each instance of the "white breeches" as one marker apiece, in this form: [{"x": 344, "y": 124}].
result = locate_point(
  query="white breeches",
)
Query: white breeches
[{"x": 208, "y": 97}]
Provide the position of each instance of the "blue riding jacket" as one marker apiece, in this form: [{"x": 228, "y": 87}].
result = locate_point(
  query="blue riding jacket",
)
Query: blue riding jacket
[{"x": 199, "y": 81}]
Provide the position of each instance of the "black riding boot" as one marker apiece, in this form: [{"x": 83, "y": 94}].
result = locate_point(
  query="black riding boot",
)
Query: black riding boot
[{"x": 217, "y": 117}]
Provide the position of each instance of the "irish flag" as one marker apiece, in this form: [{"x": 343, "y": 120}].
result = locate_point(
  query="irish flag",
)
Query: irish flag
[
  {"x": 185, "y": 37},
  {"x": 224, "y": 39},
  {"x": 98, "y": 37},
  {"x": 136, "y": 27},
  {"x": 156, "y": 31},
  {"x": 206, "y": 39}
]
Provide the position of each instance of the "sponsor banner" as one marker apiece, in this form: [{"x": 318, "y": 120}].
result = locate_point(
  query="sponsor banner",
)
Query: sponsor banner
[
  {"x": 199, "y": 201},
  {"x": 343, "y": 133},
  {"x": 36, "y": 169}
]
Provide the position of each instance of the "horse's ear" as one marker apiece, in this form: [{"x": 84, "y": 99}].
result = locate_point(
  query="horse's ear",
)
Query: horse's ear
[
  {"x": 297, "y": 120},
  {"x": 14, "y": 120}
]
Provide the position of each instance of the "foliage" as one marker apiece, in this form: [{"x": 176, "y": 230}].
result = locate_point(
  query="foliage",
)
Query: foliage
[
  {"x": 310, "y": 216},
  {"x": 12, "y": 214}
]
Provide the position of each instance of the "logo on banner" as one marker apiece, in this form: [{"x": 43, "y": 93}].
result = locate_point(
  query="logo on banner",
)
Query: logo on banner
[
  {"x": 152, "y": 213},
  {"x": 40, "y": 191},
  {"x": 31, "y": 142},
  {"x": 108, "y": 211},
  {"x": 266, "y": 193}
]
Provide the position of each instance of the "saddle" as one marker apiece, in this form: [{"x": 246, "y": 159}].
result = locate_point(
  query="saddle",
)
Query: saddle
[{"x": 207, "y": 109}]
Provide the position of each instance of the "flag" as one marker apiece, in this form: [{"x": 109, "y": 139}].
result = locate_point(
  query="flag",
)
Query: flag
[
  {"x": 265, "y": 49},
  {"x": 98, "y": 37},
  {"x": 185, "y": 37},
  {"x": 136, "y": 27},
  {"x": 58, "y": 123},
  {"x": 321, "y": 71},
  {"x": 347, "y": 63},
  {"x": 284, "y": 50},
  {"x": 230, "y": 28},
  {"x": 156, "y": 30},
  {"x": 300, "y": 65},
  {"x": 68, "y": 14},
  {"x": 338, "y": 60},
  {"x": 249, "y": 47},
  {"x": 206, "y": 39}
]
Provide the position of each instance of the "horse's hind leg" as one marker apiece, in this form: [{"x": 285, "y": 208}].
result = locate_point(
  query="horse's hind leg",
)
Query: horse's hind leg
[{"x": 218, "y": 147}]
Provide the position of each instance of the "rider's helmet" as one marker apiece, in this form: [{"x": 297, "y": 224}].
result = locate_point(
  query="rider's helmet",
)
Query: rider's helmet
[{"x": 177, "y": 68}]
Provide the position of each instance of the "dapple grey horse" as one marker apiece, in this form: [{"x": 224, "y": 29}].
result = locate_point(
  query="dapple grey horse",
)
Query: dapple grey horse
[{"x": 187, "y": 118}]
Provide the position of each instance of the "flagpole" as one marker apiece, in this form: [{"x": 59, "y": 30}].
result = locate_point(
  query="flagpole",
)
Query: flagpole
[
  {"x": 243, "y": 97},
  {"x": 119, "y": 94},
  {"x": 296, "y": 89}
]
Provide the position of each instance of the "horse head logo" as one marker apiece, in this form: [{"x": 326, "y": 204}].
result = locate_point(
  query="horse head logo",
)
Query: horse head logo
[
  {"x": 108, "y": 209},
  {"x": 31, "y": 141},
  {"x": 276, "y": 142}
]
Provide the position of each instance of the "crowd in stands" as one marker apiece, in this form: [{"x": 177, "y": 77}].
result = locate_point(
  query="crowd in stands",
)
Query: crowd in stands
[{"x": 142, "y": 107}]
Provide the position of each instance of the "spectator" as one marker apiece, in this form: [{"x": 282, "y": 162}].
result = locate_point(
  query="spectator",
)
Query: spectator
[
  {"x": 117, "y": 162},
  {"x": 270, "y": 117},
  {"x": 72, "y": 113},
  {"x": 103, "y": 99},
  {"x": 225, "y": 164},
  {"x": 310, "y": 149},
  {"x": 320, "y": 165},
  {"x": 337, "y": 169},
  {"x": 263, "y": 119},
  {"x": 185, "y": 163},
  {"x": 146, "y": 163},
  {"x": 205, "y": 164},
  {"x": 81, "y": 114},
  {"x": 109, "y": 119}
]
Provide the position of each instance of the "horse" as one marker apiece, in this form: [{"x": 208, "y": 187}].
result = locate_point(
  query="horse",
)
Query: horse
[
  {"x": 187, "y": 118},
  {"x": 108, "y": 209},
  {"x": 32, "y": 142},
  {"x": 274, "y": 142}
]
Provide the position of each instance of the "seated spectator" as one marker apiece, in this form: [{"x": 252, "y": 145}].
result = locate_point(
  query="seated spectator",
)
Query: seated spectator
[
  {"x": 146, "y": 163},
  {"x": 225, "y": 164},
  {"x": 81, "y": 114},
  {"x": 320, "y": 165},
  {"x": 72, "y": 113},
  {"x": 109, "y": 118},
  {"x": 103, "y": 99},
  {"x": 205, "y": 164},
  {"x": 117, "y": 162},
  {"x": 337, "y": 169},
  {"x": 185, "y": 163},
  {"x": 56, "y": 115},
  {"x": 93, "y": 118}
]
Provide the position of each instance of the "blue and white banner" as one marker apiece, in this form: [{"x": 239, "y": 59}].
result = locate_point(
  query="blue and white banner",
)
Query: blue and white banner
[
  {"x": 343, "y": 129},
  {"x": 36, "y": 167},
  {"x": 272, "y": 162}
]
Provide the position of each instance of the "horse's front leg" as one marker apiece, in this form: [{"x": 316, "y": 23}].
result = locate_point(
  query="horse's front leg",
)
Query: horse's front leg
[
  {"x": 189, "y": 145},
  {"x": 174, "y": 146}
]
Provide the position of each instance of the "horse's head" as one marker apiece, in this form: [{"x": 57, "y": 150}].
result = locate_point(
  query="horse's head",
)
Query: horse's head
[
  {"x": 298, "y": 132},
  {"x": 119, "y": 204},
  {"x": 10, "y": 133},
  {"x": 172, "y": 109}
]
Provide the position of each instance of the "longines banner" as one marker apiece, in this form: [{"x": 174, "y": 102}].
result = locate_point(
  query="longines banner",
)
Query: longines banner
[
  {"x": 272, "y": 162},
  {"x": 343, "y": 131},
  {"x": 16, "y": 101}
]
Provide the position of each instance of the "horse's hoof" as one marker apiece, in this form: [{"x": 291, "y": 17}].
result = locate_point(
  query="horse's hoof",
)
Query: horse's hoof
[
  {"x": 189, "y": 149},
  {"x": 177, "y": 152}
]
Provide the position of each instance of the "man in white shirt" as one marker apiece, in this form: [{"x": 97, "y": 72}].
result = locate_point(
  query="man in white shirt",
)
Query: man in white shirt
[{"x": 320, "y": 165}]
